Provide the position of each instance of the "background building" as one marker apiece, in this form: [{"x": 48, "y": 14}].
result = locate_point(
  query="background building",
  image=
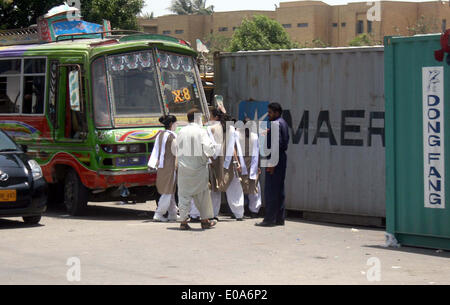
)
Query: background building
[{"x": 306, "y": 21}]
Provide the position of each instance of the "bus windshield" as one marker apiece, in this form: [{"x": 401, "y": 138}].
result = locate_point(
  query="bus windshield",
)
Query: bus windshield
[
  {"x": 126, "y": 88},
  {"x": 180, "y": 84},
  {"x": 134, "y": 85}
]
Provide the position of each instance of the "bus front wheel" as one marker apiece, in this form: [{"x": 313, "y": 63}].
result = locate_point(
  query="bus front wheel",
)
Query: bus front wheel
[{"x": 75, "y": 194}]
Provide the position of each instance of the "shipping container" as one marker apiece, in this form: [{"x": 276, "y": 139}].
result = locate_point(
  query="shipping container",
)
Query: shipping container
[
  {"x": 417, "y": 103},
  {"x": 333, "y": 101}
]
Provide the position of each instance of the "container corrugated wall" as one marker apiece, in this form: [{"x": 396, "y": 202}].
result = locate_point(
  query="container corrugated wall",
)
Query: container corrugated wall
[
  {"x": 334, "y": 102},
  {"x": 411, "y": 71}
]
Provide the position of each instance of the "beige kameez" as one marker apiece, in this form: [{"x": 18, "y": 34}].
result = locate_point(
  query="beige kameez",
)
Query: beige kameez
[
  {"x": 249, "y": 186},
  {"x": 166, "y": 176},
  {"x": 164, "y": 161},
  {"x": 220, "y": 177},
  {"x": 194, "y": 149}
]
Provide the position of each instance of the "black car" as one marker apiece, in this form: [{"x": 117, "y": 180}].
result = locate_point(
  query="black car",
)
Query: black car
[{"x": 23, "y": 190}]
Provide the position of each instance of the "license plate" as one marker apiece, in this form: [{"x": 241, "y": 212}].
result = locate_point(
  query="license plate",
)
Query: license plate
[{"x": 8, "y": 196}]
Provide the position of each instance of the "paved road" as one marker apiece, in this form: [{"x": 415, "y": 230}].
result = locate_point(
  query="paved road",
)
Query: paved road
[{"x": 120, "y": 245}]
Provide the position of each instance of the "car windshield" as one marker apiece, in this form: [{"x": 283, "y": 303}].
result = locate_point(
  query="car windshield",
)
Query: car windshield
[
  {"x": 6, "y": 144},
  {"x": 180, "y": 83},
  {"x": 134, "y": 87}
]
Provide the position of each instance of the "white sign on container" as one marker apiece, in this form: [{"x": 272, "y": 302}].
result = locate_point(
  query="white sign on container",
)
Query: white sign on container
[{"x": 433, "y": 140}]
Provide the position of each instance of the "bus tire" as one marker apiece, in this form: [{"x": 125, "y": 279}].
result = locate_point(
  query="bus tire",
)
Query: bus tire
[
  {"x": 75, "y": 194},
  {"x": 55, "y": 194}
]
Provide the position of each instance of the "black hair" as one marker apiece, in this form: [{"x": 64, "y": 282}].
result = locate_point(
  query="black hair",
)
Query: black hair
[
  {"x": 224, "y": 118},
  {"x": 247, "y": 131},
  {"x": 191, "y": 114},
  {"x": 166, "y": 120},
  {"x": 275, "y": 107},
  {"x": 216, "y": 112}
]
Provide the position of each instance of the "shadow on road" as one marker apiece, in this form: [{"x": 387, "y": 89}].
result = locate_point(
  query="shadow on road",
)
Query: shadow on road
[
  {"x": 412, "y": 250},
  {"x": 334, "y": 225},
  {"x": 195, "y": 230},
  {"x": 103, "y": 213},
  {"x": 6, "y": 224}
]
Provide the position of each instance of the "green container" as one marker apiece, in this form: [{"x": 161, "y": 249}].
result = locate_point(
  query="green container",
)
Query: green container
[{"x": 417, "y": 161}]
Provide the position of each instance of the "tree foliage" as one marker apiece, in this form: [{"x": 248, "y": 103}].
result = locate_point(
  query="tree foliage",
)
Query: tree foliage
[
  {"x": 23, "y": 13},
  {"x": 16, "y": 14},
  {"x": 122, "y": 13},
  {"x": 260, "y": 33},
  {"x": 423, "y": 26},
  {"x": 216, "y": 42},
  {"x": 191, "y": 7},
  {"x": 362, "y": 40},
  {"x": 315, "y": 43}
]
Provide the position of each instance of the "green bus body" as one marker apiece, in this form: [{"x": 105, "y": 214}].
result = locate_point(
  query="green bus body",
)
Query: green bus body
[{"x": 109, "y": 161}]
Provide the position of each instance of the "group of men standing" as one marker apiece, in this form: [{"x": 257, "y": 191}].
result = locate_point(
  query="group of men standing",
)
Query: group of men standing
[{"x": 206, "y": 162}]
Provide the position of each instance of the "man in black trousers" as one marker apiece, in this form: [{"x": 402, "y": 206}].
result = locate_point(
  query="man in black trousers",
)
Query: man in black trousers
[{"x": 275, "y": 176}]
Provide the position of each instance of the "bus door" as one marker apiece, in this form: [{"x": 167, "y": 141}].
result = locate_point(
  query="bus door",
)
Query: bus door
[{"x": 70, "y": 119}]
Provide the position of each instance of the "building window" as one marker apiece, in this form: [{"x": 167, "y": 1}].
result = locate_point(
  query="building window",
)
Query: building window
[
  {"x": 166, "y": 32},
  {"x": 444, "y": 25},
  {"x": 369, "y": 26},
  {"x": 360, "y": 27},
  {"x": 223, "y": 29},
  {"x": 287, "y": 25},
  {"x": 335, "y": 25},
  {"x": 343, "y": 24},
  {"x": 302, "y": 25},
  {"x": 179, "y": 31}
]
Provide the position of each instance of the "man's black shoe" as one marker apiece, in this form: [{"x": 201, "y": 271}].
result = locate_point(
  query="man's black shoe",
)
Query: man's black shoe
[
  {"x": 279, "y": 223},
  {"x": 264, "y": 224},
  {"x": 254, "y": 215}
]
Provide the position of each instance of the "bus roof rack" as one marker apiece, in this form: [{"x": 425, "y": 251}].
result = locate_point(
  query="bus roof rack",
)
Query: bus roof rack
[
  {"x": 20, "y": 36},
  {"x": 104, "y": 34}
]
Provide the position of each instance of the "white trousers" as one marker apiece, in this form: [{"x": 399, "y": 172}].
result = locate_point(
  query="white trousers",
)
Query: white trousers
[
  {"x": 166, "y": 204},
  {"x": 235, "y": 198},
  {"x": 254, "y": 201}
]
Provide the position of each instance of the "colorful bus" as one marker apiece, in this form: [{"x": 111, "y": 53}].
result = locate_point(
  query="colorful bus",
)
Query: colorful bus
[{"x": 87, "y": 107}]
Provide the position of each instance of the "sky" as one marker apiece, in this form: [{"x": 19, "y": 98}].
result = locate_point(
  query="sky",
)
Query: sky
[{"x": 159, "y": 7}]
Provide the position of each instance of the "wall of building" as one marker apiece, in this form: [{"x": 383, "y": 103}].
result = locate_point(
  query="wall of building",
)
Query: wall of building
[
  {"x": 306, "y": 21},
  {"x": 225, "y": 23}
]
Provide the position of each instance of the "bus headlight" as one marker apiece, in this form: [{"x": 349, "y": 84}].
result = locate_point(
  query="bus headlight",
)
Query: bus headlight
[
  {"x": 122, "y": 161},
  {"x": 135, "y": 148},
  {"x": 122, "y": 149}
]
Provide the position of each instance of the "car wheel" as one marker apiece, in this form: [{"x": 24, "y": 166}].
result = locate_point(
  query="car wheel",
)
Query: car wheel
[
  {"x": 32, "y": 220},
  {"x": 75, "y": 194}
]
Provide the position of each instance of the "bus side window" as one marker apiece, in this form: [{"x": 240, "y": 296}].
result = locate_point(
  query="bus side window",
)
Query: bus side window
[
  {"x": 76, "y": 126},
  {"x": 34, "y": 86}
]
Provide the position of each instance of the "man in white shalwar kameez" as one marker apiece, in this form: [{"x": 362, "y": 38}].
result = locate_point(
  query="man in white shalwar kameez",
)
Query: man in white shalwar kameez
[{"x": 194, "y": 150}]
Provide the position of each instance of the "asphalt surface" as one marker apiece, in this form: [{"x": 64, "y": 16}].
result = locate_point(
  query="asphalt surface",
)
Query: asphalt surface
[{"x": 115, "y": 244}]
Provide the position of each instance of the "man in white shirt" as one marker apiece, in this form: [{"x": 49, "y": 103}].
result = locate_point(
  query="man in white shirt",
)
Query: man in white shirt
[{"x": 194, "y": 150}]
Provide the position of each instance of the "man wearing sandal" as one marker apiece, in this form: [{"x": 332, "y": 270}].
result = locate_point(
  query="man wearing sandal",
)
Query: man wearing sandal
[{"x": 194, "y": 150}]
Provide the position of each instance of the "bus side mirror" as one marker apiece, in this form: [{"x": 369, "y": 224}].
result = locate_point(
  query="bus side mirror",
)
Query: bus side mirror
[{"x": 74, "y": 90}]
